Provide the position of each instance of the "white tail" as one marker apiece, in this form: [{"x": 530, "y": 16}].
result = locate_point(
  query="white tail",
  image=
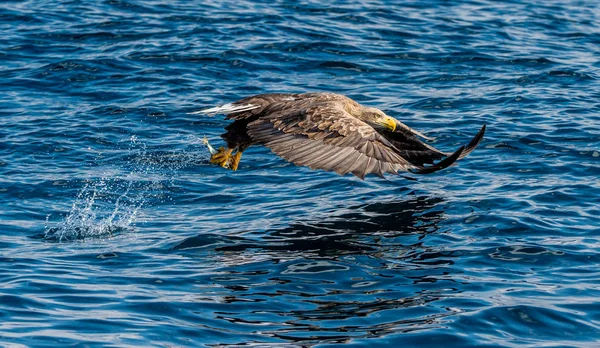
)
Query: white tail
[{"x": 228, "y": 108}]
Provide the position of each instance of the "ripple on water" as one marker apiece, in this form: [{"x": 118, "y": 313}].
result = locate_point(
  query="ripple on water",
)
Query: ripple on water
[{"x": 117, "y": 231}]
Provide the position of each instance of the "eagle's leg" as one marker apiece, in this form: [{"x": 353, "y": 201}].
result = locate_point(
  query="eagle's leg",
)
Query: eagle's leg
[
  {"x": 241, "y": 146},
  {"x": 223, "y": 157},
  {"x": 235, "y": 160}
]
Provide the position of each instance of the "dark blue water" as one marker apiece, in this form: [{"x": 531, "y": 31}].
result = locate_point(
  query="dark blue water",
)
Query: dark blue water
[{"x": 116, "y": 231}]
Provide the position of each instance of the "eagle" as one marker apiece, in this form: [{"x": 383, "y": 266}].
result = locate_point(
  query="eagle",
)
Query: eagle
[{"x": 328, "y": 131}]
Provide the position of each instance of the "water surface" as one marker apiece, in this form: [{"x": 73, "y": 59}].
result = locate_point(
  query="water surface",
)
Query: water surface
[{"x": 116, "y": 231}]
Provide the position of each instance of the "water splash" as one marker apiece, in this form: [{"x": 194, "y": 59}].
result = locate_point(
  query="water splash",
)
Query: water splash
[
  {"x": 97, "y": 213},
  {"x": 112, "y": 204}
]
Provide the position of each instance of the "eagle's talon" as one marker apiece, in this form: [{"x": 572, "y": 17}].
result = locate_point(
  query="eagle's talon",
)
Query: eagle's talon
[
  {"x": 222, "y": 157},
  {"x": 235, "y": 160}
]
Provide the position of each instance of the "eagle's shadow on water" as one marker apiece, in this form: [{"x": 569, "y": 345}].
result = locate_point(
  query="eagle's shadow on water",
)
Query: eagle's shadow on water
[
  {"x": 341, "y": 270},
  {"x": 359, "y": 229}
]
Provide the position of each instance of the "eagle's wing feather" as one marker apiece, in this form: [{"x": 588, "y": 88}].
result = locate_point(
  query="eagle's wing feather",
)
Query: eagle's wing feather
[
  {"x": 315, "y": 130},
  {"x": 278, "y": 102},
  {"x": 420, "y": 153},
  {"x": 324, "y": 136}
]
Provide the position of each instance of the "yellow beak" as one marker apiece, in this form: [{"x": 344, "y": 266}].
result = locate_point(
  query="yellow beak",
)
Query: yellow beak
[{"x": 390, "y": 123}]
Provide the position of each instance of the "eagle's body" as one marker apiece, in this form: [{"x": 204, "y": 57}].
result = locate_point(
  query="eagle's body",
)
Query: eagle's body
[{"x": 329, "y": 131}]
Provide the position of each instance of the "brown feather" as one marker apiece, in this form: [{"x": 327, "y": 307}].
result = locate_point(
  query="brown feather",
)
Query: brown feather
[
  {"x": 326, "y": 138},
  {"x": 325, "y": 131}
]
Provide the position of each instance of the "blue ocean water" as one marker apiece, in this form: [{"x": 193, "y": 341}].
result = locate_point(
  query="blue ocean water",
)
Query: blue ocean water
[{"x": 116, "y": 231}]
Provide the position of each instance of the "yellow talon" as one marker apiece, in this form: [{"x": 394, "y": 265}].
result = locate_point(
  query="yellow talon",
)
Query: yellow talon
[
  {"x": 225, "y": 159},
  {"x": 235, "y": 160},
  {"x": 222, "y": 157}
]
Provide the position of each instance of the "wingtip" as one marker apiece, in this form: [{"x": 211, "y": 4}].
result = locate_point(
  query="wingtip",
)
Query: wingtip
[
  {"x": 445, "y": 163},
  {"x": 458, "y": 154},
  {"x": 481, "y": 132},
  {"x": 474, "y": 142}
]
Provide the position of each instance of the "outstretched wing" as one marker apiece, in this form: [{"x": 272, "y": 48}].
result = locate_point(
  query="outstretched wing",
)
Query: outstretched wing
[
  {"x": 259, "y": 104},
  {"x": 262, "y": 104},
  {"x": 247, "y": 107},
  {"x": 324, "y": 136},
  {"x": 420, "y": 153}
]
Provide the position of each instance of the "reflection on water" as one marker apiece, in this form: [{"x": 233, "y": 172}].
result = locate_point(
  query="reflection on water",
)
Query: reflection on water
[
  {"x": 356, "y": 231},
  {"x": 331, "y": 279}
]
